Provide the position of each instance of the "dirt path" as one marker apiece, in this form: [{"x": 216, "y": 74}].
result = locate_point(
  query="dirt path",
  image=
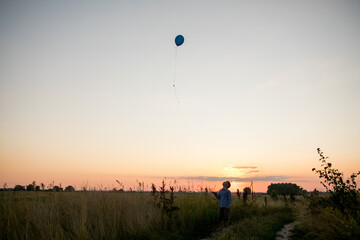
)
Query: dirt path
[
  {"x": 213, "y": 234},
  {"x": 285, "y": 232}
]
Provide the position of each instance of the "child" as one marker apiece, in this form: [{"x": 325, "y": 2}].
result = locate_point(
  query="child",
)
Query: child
[{"x": 224, "y": 196}]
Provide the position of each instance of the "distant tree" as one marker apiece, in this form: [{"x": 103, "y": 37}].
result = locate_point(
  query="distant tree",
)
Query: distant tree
[
  {"x": 19, "y": 188},
  {"x": 69, "y": 189},
  {"x": 285, "y": 189},
  {"x": 30, "y": 187},
  {"x": 57, "y": 189},
  {"x": 37, "y": 188}
]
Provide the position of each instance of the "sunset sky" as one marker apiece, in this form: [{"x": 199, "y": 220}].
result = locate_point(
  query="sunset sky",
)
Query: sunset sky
[{"x": 87, "y": 97}]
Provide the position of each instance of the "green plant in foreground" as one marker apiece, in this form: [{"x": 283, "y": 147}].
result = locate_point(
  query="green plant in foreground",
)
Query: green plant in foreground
[
  {"x": 343, "y": 193},
  {"x": 162, "y": 201},
  {"x": 334, "y": 179},
  {"x": 336, "y": 214}
]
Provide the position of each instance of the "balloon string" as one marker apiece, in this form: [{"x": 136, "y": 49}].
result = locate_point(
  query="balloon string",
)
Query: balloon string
[{"x": 174, "y": 83}]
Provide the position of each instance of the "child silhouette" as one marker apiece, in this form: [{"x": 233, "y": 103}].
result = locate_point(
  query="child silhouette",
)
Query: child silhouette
[{"x": 224, "y": 195}]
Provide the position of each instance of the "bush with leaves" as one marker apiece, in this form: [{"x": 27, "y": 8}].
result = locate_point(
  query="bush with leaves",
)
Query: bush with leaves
[
  {"x": 333, "y": 179},
  {"x": 343, "y": 193},
  {"x": 335, "y": 214}
]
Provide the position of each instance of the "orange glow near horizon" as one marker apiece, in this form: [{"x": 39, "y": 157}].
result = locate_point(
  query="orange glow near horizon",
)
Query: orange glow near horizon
[
  {"x": 23, "y": 168},
  {"x": 19, "y": 173}
]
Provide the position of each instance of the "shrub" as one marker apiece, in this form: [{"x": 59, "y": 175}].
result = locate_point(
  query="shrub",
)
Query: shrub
[
  {"x": 335, "y": 214},
  {"x": 274, "y": 195},
  {"x": 343, "y": 193},
  {"x": 19, "y": 188},
  {"x": 30, "y": 187},
  {"x": 69, "y": 189},
  {"x": 57, "y": 189}
]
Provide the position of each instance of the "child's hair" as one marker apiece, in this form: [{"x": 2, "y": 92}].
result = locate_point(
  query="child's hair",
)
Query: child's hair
[{"x": 226, "y": 184}]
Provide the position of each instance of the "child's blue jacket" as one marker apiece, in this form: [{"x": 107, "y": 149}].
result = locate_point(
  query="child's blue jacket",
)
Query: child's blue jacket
[{"x": 224, "y": 195}]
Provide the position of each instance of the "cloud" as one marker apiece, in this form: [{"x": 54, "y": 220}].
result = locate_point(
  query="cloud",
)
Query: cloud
[
  {"x": 245, "y": 167},
  {"x": 237, "y": 179}
]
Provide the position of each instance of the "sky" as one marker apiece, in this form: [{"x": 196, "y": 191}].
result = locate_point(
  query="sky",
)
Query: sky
[{"x": 87, "y": 96}]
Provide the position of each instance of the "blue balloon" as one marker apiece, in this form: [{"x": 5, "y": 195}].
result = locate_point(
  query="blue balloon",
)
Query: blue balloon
[{"x": 179, "y": 40}]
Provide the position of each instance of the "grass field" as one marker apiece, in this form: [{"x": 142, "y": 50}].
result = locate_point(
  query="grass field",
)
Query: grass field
[
  {"x": 114, "y": 215},
  {"x": 143, "y": 215}
]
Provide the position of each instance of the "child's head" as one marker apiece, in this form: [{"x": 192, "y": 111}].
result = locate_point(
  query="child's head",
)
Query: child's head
[{"x": 226, "y": 184}]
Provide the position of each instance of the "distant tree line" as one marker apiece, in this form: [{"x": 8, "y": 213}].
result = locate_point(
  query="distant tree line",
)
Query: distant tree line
[
  {"x": 274, "y": 189},
  {"x": 37, "y": 188}
]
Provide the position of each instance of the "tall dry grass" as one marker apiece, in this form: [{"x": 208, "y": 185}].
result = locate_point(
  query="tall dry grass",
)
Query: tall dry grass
[
  {"x": 77, "y": 215},
  {"x": 102, "y": 215},
  {"x": 114, "y": 215}
]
